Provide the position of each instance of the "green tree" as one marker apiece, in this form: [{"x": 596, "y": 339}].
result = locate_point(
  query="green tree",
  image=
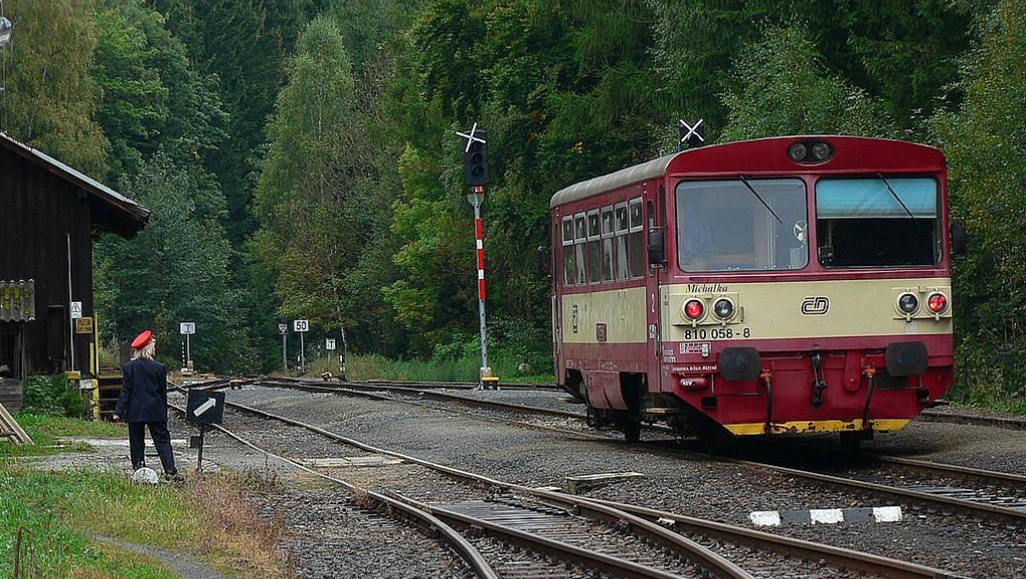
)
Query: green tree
[
  {"x": 50, "y": 99},
  {"x": 901, "y": 52},
  {"x": 245, "y": 43},
  {"x": 175, "y": 270},
  {"x": 782, "y": 87},
  {"x": 313, "y": 223},
  {"x": 567, "y": 92},
  {"x": 153, "y": 97},
  {"x": 985, "y": 141}
]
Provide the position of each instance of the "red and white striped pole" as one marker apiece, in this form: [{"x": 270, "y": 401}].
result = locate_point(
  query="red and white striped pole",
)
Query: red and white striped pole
[{"x": 476, "y": 199}]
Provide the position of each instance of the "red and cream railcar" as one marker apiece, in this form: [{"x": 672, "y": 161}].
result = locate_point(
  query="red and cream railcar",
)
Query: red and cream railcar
[{"x": 782, "y": 285}]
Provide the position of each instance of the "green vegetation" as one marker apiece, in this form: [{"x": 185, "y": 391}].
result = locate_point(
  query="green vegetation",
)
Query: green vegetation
[
  {"x": 53, "y": 395},
  {"x": 301, "y": 162},
  {"x": 45, "y": 429},
  {"x": 61, "y": 509}
]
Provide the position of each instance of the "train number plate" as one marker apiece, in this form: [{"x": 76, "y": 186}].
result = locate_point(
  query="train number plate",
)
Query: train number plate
[{"x": 691, "y": 334}]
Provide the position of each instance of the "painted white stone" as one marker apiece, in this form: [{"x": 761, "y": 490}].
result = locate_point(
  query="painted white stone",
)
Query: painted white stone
[
  {"x": 826, "y": 516},
  {"x": 765, "y": 518},
  {"x": 145, "y": 475},
  {"x": 887, "y": 514}
]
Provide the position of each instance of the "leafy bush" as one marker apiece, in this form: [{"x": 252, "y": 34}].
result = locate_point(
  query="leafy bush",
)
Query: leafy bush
[{"x": 53, "y": 395}]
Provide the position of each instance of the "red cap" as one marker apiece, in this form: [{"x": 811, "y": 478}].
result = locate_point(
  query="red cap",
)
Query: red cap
[{"x": 142, "y": 340}]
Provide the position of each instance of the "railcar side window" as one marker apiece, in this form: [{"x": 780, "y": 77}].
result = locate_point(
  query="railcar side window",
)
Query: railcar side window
[
  {"x": 594, "y": 250},
  {"x": 637, "y": 239},
  {"x": 742, "y": 225},
  {"x": 622, "y": 229},
  {"x": 607, "y": 243},
  {"x": 877, "y": 222},
  {"x": 580, "y": 238},
  {"x": 569, "y": 267}
]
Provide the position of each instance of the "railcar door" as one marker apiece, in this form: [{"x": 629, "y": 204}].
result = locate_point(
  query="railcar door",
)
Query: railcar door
[{"x": 655, "y": 234}]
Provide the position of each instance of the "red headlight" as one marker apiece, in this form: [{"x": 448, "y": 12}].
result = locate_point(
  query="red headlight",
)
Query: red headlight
[
  {"x": 937, "y": 303},
  {"x": 694, "y": 309}
]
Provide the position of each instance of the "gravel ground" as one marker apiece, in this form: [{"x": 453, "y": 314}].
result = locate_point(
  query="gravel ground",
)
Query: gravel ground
[
  {"x": 425, "y": 485},
  {"x": 328, "y": 534},
  {"x": 976, "y": 446},
  {"x": 682, "y": 484}
]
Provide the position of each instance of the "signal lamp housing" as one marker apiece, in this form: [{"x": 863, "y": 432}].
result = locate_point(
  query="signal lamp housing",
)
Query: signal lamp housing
[
  {"x": 937, "y": 303},
  {"x": 475, "y": 160},
  {"x": 694, "y": 309},
  {"x": 908, "y": 303},
  {"x": 723, "y": 308},
  {"x": 810, "y": 152}
]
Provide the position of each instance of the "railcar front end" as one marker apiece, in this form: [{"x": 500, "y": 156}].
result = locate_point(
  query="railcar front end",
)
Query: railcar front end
[{"x": 785, "y": 285}]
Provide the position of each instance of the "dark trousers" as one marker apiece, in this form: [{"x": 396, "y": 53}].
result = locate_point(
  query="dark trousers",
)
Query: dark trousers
[{"x": 161, "y": 440}]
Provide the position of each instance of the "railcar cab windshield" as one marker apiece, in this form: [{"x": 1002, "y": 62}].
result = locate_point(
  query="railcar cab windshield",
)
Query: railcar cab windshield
[
  {"x": 877, "y": 221},
  {"x": 761, "y": 224},
  {"x": 742, "y": 225}
]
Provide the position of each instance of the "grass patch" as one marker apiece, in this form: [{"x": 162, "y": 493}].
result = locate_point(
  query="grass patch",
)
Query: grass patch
[
  {"x": 206, "y": 518},
  {"x": 465, "y": 369},
  {"x": 45, "y": 429}
]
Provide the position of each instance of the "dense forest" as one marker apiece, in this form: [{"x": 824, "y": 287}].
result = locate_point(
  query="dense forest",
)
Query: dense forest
[{"x": 301, "y": 161}]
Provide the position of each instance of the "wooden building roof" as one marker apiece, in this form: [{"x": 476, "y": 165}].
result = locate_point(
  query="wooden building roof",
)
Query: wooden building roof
[{"x": 111, "y": 211}]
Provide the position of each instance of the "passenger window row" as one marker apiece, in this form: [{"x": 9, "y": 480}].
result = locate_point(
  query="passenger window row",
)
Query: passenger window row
[{"x": 604, "y": 245}]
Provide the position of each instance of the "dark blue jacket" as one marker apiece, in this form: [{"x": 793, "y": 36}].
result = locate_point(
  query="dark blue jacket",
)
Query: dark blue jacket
[{"x": 143, "y": 392}]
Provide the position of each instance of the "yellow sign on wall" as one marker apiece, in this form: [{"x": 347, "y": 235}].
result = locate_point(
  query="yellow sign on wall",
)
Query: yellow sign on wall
[{"x": 84, "y": 326}]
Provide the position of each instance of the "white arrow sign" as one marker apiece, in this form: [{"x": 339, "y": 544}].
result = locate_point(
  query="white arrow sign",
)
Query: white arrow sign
[{"x": 210, "y": 403}]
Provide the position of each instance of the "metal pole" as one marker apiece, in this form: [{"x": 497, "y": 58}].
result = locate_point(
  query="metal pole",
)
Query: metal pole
[
  {"x": 477, "y": 200},
  {"x": 199, "y": 453},
  {"x": 188, "y": 353},
  {"x": 71, "y": 322},
  {"x": 284, "y": 353},
  {"x": 302, "y": 354}
]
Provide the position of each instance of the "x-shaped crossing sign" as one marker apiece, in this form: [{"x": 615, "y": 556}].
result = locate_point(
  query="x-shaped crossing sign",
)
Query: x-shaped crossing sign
[
  {"x": 471, "y": 138},
  {"x": 690, "y": 134}
]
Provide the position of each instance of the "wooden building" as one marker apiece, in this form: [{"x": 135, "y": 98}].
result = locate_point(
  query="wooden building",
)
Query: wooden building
[{"x": 50, "y": 214}]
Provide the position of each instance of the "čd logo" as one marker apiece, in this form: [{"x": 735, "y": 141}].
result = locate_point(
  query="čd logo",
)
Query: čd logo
[{"x": 816, "y": 306}]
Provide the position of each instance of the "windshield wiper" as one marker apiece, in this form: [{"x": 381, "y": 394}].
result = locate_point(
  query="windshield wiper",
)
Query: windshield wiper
[
  {"x": 744, "y": 180},
  {"x": 895, "y": 195}
]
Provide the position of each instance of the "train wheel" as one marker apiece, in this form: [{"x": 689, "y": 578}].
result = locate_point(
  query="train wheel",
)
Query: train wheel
[
  {"x": 632, "y": 433},
  {"x": 852, "y": 441}
]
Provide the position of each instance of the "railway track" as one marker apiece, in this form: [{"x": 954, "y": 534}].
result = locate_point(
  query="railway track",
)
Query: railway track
[
  {"x": 694, "y": 531},
  {"x": 982, "y": 494},
  {"x": 394, "y": 508},
  {"x": 955, "y": 417},
  {"x": 555, "y": 533}
]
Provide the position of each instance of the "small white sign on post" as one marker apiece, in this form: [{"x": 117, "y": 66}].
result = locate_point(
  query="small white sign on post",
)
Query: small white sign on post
[
  {"x": 301, "y": 326},
  {"x": 283, "y": 329},
  {"x": 187, "y": 328},
  {"x": 76, "y": 310},
  {"x": 329, "y": 344}
]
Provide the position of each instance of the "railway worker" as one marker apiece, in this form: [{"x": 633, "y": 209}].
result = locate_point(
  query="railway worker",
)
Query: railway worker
[{"x": 143, "y": 403}]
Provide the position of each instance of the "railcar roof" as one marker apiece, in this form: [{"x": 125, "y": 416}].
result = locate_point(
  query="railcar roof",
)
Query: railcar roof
[
  {"x": 659, "y": 167},
  {"x": 636, "y": 174},
  {"x": 119, "y": 214}
]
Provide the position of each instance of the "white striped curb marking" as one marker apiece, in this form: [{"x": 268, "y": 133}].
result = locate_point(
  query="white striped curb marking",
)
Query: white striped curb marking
[{"x": 826, "y": 516}]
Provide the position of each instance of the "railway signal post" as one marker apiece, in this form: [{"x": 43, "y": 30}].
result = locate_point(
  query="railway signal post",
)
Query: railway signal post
[
  {"x": 301, "y": 327},
  {"x": 475, "y": 162},
  {"x": 283, "y": 329},
  {"x": 187, "y": 329}
]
